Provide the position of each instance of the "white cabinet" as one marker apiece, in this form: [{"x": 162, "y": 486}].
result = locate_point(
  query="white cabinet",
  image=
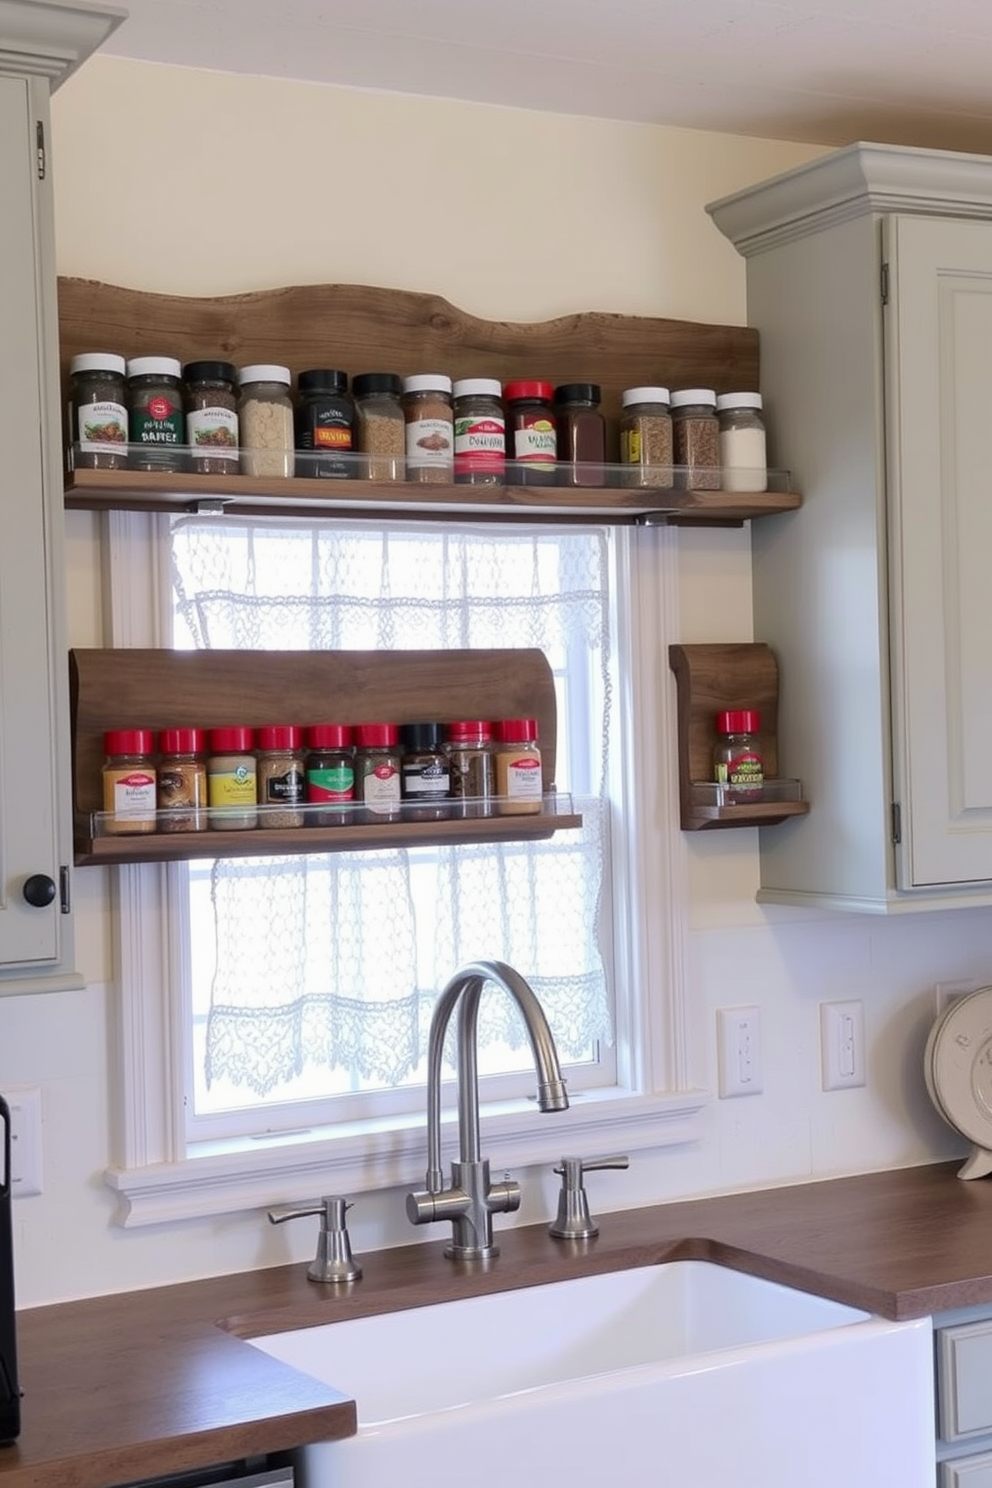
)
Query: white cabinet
[
  {"x": 39, "y": 44},
  {"x": 963, "y": 1343},
  {"x": 869, "y": 277}
]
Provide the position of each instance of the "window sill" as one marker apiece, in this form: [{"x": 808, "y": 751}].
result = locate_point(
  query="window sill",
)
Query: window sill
[{"x": 298, "y": 1167}]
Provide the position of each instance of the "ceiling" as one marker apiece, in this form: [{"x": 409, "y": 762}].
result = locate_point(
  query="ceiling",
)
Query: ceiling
[{"x": 913, "y": 72}]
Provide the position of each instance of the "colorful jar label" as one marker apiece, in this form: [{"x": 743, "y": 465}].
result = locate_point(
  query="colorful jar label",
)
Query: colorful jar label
[
  {"x": 480, "y": 443},
  {"x": 158, "y": 422},
  {"x": 535, "y": 441},
  {"x": 743, "y": 771},
  {"x": 213, "y": 429},
  {"x": 429, "y": 779},
  {"x": 331, "y": 785},
  {"x": 523, "y": 778},
  {"x": 287, "y": 787},
  {"x": 102, "y": 427},
  {"x": 237, "y": 787},
  {"x": 429, "y": 441},
  {"x": 130, "y": 791},
  {"x": 381, "y": 788}
]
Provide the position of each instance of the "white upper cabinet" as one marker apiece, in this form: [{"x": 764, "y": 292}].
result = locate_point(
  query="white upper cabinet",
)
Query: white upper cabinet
[
  {"x": 870, "y": 280},
  {"x": 39, "y": 44}
]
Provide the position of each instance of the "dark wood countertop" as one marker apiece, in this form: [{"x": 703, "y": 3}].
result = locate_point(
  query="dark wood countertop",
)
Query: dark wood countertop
[{"x": 138, "y": 1384}]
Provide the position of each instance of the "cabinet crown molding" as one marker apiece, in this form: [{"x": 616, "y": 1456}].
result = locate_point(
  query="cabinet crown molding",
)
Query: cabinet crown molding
[
  {"x": 47, "y": 39},
  {"x": 857, "y": 181}
]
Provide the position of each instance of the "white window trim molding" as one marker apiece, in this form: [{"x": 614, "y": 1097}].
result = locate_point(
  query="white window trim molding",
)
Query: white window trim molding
[{"x": 657, "y": 1104}]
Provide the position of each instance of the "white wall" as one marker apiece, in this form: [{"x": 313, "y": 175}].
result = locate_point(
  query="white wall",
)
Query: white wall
[{"x": 190, "y": 182}]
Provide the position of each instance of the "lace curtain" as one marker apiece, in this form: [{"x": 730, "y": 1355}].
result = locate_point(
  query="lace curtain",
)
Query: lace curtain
[{"x": 335, "y": 960}]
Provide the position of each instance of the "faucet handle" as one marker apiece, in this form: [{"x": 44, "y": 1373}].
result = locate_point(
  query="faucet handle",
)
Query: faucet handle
[
  {"x": 334, "y": 1260},
  {"x": 574, "y": 1221}
]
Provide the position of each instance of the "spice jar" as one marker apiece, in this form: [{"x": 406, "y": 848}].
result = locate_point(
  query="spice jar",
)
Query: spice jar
[
  {"x": 329, "y": 769},
  {"x": 155, "y": 413},
  {"x": 519, "y": 787},
  {"x": 480, "y": 432},
  {"x": 696, "y": 439},
  {"x": 377, "y": 770},
  {"x": 468, "y": 745},
  {"x": 430, "y": 431},
  {"x": 182, "y": 781},
  {"x": 379, "y": 425},
  {"x": 211, "y": 417},
  {"x": 581, "y": 434},
  {"x": 325, "y": 425},
  {"x": 232, "y": 782},
  {"x": 737, "y": 764},
  {"x": 532, "y": 432},
  {"x": 128, "y": 781},
  {"x": 646, "y": 436},
  {"x": 97, "y": 398},
  {"x": 265, "y": 414},
  {"x": 742, "y": 442},
  {"x": 279, "y": 767},
  {"x": 425, "y": 772}
]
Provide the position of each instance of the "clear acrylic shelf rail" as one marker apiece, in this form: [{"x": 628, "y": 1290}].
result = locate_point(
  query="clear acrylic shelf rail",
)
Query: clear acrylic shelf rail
[
  {"x": 258, "y": 482},
  {"x": 281, "y": 830},
  {"x": 715, "y": 805}
]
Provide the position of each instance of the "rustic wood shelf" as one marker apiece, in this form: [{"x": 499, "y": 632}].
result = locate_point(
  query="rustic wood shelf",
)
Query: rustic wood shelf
[
  {"x": 158, "y": 689},
  {"x": 710, "y": 679}
]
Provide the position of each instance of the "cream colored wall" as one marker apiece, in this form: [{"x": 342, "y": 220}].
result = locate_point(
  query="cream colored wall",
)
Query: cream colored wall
[{"x": 190, "y": 182}]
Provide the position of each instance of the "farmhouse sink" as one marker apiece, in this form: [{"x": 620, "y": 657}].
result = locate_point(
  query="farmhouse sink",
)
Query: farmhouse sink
[{"x": 684, "y": 1372}]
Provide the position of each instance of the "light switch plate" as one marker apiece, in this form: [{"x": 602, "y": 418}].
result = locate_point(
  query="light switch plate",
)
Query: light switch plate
[
  {"x": 739, "y": 1050},
  {"x": 25, "y": 1141},
  {"x": 842, "y": 1044}
]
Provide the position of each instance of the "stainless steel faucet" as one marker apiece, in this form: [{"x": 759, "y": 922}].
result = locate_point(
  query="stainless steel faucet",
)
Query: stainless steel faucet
[{"x": 471, "y": 1201}]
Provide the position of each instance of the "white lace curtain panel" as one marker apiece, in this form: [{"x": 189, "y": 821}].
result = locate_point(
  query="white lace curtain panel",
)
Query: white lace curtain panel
[{"x": 335, "y": 960}]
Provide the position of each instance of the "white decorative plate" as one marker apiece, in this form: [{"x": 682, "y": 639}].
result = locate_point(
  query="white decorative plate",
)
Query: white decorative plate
[{"x": 958, "y": 1065}]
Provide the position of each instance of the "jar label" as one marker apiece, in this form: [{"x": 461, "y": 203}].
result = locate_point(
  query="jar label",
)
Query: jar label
[
  {"x": 158, "y": 422},
  {"x": 285, "y": 787},
  {"x": 480, "y": 442},
  {"x": 334, "y": 784},
  {"x": 535, "y": 442},
  {"x": 235, "y": 787},
  {"x": 630, "y": 446},
  {"x": 332, "y": 436},
  {"x": 381, "y": 788},
  {"x": 130, "y": 792},
  {"x": 522, "y": 778},
  {"x": 742, "y": 771},
  {"x": 102, "y": 427},
  {"x": 213, "y": 428},
  {"x": 429, "y": 442},
  {"x": 427, "y": 780}
]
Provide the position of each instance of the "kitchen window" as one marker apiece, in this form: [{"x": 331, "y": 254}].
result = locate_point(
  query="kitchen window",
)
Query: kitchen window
[{"x": 293, "y": 995}]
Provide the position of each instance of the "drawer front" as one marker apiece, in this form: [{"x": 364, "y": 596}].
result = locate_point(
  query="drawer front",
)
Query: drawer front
[
  {"x": 967, "y": 1472},
  {"x": 964, "y": 1382}
]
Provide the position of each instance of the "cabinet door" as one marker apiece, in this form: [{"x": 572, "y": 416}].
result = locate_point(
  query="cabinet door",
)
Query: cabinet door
[
  {"x": 32, "y": 659},
  {"x": 938, "y": 378}
]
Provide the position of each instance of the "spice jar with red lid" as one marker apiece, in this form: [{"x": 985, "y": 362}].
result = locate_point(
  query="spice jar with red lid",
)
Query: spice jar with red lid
[
  {"x": 129, "y": 781},
  {"x": 280, "y": 775},
  {"x": 232, "y": 782},
  {"x": 329, "y": 768},
  {"x": 519, "y": 780},
  {"x": 468, "y": 743},
  {"x": 182, "y": 780},
  {"x": 737, "y": 763},
  {"x": 532, "y": 432},
  {"x": 377, "y": 770}
]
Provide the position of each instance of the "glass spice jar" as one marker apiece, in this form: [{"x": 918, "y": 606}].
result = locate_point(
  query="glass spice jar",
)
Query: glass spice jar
[
  {"x": 379, "y": 425},
  {"x": 129, "y": 782},
  {"x": 696, "y": 439},
  {"x": 468, "y": 743},
  {"x": 581, "y": 434},
  {"x": 737, "y": 762},
  {"x": 182, "y": 781},
  {"x": 281, "y": 783},
  {"x": 232, "y": 782},
  {"x": 98, "y": 411},
  {"x": 211, "y": 417},
  {"x": 155, "y": 413},
  {"x": 325, "y": 425},
  {"x": 329, "y": 767},
  {"x": 532, "y": 432},
  {"x": 742, "y": 442},
  {"x": 265, "y": 416},
  {"x": 430, "y": 430},
  {"x": 377, "y": 770},
  {"x": 646, "y": 437},
  {"x": 480, "y": 432},
  {"x": 425, "y": 772},
  {"x": 519, "y": 783}
]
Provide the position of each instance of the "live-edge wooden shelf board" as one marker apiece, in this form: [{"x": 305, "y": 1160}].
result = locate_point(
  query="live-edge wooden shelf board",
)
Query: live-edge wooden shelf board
[{"x": 157, "y": 689}]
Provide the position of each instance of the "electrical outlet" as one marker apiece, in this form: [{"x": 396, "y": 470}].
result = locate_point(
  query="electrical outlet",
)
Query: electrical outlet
[
  {"x": 739, "y": 1050},
  {"x": 842, "y": 1044},
  {"x": 944, "y": 993},
  {"x": 25, "y": 1141}
]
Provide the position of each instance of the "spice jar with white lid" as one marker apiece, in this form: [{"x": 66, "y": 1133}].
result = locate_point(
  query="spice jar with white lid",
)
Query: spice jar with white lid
[
  {"x": 430, "y": 431},
  {"x": 480, "y": 432},
  {"x": 743, "y": 454},
  {"x": 265, "y": 416},
  {"x": 646, "y": 436},
  {"x": 155, "y": 413},
  {"x": 696, "y": 439},
  {"x": 98, "y": 407}
]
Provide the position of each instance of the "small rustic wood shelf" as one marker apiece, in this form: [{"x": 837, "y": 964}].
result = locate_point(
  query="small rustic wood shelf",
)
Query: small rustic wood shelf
[
  {"x": 710, "y": 679},
  {"x": 158, "y": 689}
]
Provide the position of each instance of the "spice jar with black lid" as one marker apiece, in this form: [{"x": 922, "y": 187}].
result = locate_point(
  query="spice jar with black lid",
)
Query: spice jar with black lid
[
  {"x": 329, "y": 767},
  {"x": 182, "y": 780},
  {"x": 696, "y": 439},
  {"x": 480, "y": 432},
  {"x": 425, "y": 773},
  {"x": 532, "y": 432},
  {"x": 211, "y": 417},
  {"x": 98, "y": 409},
  {"x": 325, "y": 424},
  {"x": 379, "y": 425},
  {"x": 581, "y": 434},
  {"x": 430, "y": 432},
  {"x": 155, "y": 407}
]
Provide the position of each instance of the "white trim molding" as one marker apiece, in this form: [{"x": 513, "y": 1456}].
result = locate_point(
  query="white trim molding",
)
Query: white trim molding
[{"x": 39, "y": 38}]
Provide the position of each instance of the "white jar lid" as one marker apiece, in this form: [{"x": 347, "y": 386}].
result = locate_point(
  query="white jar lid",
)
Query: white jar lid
[
  {"x": 427, "y": 382},
  {"x": 685, "y": 396},
  {"x": 644, "y": 395},
  {"x": 469, "y": 387},
  {"x": 738, "y": 400},
  {"x": 97, "y": 361},
  {"x": 264, "y": 372},
  {"x": 154, "y": 367}
]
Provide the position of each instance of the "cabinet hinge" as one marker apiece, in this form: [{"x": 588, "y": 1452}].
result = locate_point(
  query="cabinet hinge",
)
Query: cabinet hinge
[
  {"x": 39, "y": 145},
  {"x": 64, "y": 901},
  {"x": 885, "y": 284},
  {"x": 896, "y": 822}
]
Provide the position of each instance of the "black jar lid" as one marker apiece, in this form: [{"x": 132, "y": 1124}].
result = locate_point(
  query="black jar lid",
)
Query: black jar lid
[
  {"x": 322, "y": 380},
  {"x": 376, "y": 382},
  {"x": 578, "y": 392},
  {"x": 210, "y": 372},
  {"x": 415, "y": 736}
]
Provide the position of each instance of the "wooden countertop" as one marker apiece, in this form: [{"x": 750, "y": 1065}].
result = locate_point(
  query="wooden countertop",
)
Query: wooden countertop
[{"x": 139, "y": 1384}]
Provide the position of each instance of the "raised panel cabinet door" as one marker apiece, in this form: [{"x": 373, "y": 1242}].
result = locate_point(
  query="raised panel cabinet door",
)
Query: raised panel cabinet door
[
  {"x": 967, "y": 1472},
  {"x": 30, "y": 933},
  {"x": 964, "y": 1380},
  {"x": 938, "y": 381}
]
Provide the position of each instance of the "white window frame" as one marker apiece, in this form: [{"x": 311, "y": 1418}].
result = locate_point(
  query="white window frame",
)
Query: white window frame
[{"x": 655, "y": 1102}]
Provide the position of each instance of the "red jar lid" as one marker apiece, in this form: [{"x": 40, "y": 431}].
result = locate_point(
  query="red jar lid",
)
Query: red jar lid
[
  {"x": 128, "y": 741},
  {"x": 231, "y": 740},
  {"x": 514, "y": 390},
  {"x": 279, "y": 736},
  {"x": 328, "y": 736},
  {"x": 376, "y": 735},
  {"x": 180, "y": 741},
  {"x": 739, "y": 721},
  {"x": 516, "y": 730},
  {"x": 474, "y": 730}
]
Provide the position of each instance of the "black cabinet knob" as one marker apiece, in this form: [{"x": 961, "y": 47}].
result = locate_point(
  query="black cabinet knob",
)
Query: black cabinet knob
[{"x": 39, "y": 890}]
